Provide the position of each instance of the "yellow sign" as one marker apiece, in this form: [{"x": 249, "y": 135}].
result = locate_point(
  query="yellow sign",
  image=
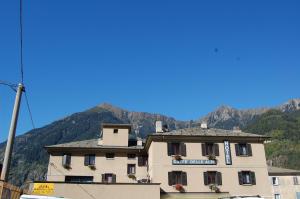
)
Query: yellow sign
[{"x": 43, "y": 188}]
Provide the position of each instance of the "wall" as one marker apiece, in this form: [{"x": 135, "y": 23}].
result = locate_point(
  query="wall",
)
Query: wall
[
  {"x": 111, "y": 191},
  {"x": 118, "y": 166},
  {"x": 286, "y": 187},
  {"x": 160, "y": 164},
  {"x": 115, "y": 139}
]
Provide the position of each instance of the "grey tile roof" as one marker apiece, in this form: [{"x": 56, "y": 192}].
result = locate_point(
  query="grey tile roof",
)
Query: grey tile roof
[
  {"x": 282, "y": 171},
  {"x": 93, "y": 143},
  {"x": 198, "y": 131}
]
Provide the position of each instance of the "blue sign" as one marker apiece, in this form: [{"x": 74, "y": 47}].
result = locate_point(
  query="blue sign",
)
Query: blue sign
[
  {"x": 194, "y": 162},
  {"x": 227, "y": 152}
]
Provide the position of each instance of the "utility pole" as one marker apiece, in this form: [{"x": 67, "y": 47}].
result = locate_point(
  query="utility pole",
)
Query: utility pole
[{"x": 12, "y": 132}]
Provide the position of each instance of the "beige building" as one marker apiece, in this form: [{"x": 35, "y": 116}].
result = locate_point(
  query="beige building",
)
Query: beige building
[
  {"x": 187, "y": 163},
  {"x": 285, "y": 183}
]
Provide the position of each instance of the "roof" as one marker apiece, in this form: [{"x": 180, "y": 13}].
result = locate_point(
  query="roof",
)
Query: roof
[
  {"x": 89, "y": 144},
  {"x": 198, "y": 131},
  {"x": 111, "y": 125},
  {"x": 277, "y": 171}
]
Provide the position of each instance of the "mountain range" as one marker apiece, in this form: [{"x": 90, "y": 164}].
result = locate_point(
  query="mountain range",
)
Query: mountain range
[{"x": 30, "y": 160}]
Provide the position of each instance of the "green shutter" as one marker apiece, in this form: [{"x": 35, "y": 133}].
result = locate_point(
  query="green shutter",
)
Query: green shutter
[{"x": 205, "y": 176}]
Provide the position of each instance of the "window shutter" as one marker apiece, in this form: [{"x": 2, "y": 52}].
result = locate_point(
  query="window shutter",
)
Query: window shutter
[
  {"x": 170, "y": 149},
  {"x": 64, "y": 160},
  {"x": 253, "y": 180},
  {"x": 219, "y": 178},
  {"x": 205, "y": 178},
  {"x": 92, "y": 160},
  {"x": 140, "y": 161},
  {"x": 182, "y": 149},
  {"x": 216, "y": 149},
  {"x": 68, "y": 161},
  {"x": 240, "y": 178},
  {"x": 170, "y": 178},
  {"x": 249, "y": 150},
  {"x": 128, "y": 169},
  {"x": 184, "y": 178},
  {"x": 203, "y": 149},
  {"x": 237, "y": 150},
  {"x": 86, "y": 160},
  {"x": 103, "y": 177},
  {"x": 114, "y": 178}
]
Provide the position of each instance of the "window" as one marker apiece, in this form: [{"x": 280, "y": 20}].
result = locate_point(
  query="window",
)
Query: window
[
  {"x": 79, "y": 179},
  {"x": 210, "y": 149},
  {"x": 243, "y": 149},
  {"x": 131, "y": 156},
  {"x": 89, "y": 160},
  {"x": 177, "y": 177},
  {"x": 110, "y": 155},
  {"x": 176, "y": 148},
  {"x": 212, "y": 177},
  {"x": 276, "y": 196},
  {"x": 116, "y": 130},
  {"x": 131, "y": 169},
  {"x": 295, "y": 179},
  {"x": 109, "y": 178},
  {"x": 142, "y": 161},
  {"x": 246, "y": 178},
  {"x": 275, "y": 181},
  {"x": 66, "y": 160}
]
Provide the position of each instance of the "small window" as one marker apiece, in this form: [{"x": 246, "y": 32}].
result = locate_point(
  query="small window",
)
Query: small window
[
  {"x": 131, "y": 156},
  {"x": 295, "y": 179},
  {"x": 243, "y": 149},
  {"x": 275, "y": 180},
  {"x": 66, "y": 160},
  {"x": 177, "y": 177},
  {"x": 246, "y": 178},
  {"x": 109, "y": 178},
  {"x": 277, "y": 196},
  {"x": 212, "y": 177},
  {"x": 142, "y": 161},
  {"x": 176, "y": 148},
  {"x": 131, "y": 169},
  {"x": 116, "y": 130},
  {"x": 89, "y": 160},
  {"x": 210, "y": 149},
  {"x": 110, "y": 155}
]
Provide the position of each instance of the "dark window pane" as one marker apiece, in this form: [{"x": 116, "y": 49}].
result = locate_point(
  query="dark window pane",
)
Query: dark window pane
[
  {"x": 110, "y": 155},
  {"x": 131, "y": 156},
  {"x": 79, "y": 179}
]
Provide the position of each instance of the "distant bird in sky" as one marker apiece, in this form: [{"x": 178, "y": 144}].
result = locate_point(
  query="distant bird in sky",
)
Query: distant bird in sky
[{"x": 216, "y": 50}]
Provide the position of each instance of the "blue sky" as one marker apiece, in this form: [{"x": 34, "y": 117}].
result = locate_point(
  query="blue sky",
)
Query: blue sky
[{"x": 179, "y": 58}]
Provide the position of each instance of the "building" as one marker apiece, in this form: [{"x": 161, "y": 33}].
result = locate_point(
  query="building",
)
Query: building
[
  {"x": 194, "y": 162},
  {"x": 285, "y": 183}
]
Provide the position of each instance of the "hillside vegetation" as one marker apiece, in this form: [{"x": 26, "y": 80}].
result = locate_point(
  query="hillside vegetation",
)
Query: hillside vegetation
[{"x": 284, "y": 128}]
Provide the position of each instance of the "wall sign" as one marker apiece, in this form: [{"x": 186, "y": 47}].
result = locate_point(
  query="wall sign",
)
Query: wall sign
[
  {"x": 227, "y": 152},
  {"x": 194, "y": 162},
  {"x": 43, "y": 188}
]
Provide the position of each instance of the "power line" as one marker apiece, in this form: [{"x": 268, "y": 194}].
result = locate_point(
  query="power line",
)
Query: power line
[
  {"x": 21, "y": 42},
  {"x": 29, "y": 110}
]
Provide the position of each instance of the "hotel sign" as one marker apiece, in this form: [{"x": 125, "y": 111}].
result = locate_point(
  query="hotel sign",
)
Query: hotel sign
[
  {"x": 194, "y": 162},
  {"x": 227, "y": 152}
]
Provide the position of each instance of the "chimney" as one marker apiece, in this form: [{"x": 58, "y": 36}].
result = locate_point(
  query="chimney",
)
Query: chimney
[
  {"x": 204, "y": 125},
  {"x": 158, "y": 127},
  {"x": 139, "y": 142},
  {"x": 237, "y": 129}
]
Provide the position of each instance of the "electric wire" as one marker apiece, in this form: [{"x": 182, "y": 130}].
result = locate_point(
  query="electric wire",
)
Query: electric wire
[
  {"x": 29, "y": 110},
  {"x": 21, "y": 42}
]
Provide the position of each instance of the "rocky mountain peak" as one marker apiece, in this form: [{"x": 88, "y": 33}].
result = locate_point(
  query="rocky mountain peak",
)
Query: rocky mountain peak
[{"x": 291, "y": 105}]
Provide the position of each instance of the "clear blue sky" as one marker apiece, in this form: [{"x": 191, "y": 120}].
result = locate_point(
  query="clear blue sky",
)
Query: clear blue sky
[{"x": 179, "y": 58}]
